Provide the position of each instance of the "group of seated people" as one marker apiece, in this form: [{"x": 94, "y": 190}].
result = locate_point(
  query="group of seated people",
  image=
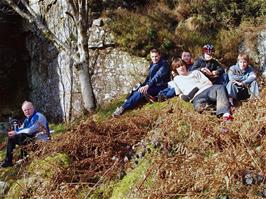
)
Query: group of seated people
[{"x": 203, "y": 82}]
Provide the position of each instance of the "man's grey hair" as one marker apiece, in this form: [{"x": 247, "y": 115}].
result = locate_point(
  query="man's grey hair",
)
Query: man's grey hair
[{"x": 27, "y": 102}]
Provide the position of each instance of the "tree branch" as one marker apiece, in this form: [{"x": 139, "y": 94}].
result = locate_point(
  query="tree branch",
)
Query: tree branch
[
  {"x": 19, "y": 11},
  {"x": 32, "y": 17},
  {"x": 74, "y": 7}
]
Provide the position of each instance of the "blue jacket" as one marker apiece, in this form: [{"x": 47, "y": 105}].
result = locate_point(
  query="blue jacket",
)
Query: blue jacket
[
  {"x": 189, "y": 67},
  {"x": 159, "y": 74},
  {"x": 246, "y": 76},
  {"x": 36, "y": 125}
]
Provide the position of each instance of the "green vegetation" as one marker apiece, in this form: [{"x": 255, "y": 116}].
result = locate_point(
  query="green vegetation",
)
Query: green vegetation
[
  {"x": 195, "y": 159},
  {"x": 106, "y": 111},
  {"x": 123, "y": 189},
  {"x": 174, "y": 25},
  {"x": 37, "y": 174},
  {"x": 58, "y": 128},
  {"x": 46, "y": 168}
]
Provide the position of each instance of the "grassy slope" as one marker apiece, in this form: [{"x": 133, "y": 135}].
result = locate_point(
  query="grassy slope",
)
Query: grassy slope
[{"x": 195, "y": 160}]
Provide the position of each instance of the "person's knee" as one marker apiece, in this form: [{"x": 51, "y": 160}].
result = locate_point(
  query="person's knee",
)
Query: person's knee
[
  {"x": 231, "y": 87},
  {"x": 23, "y": 139},
  {"x": 136, "y": 95},
  {"x": 222, "y": 88},
  {"x": 230, "y": 84},
  {"x": 254, "y": 84}
]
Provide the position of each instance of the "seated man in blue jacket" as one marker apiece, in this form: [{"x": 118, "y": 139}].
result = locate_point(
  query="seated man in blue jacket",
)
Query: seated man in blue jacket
[
  {"x": 34, "y": 126},
  {"x": 242, "y": 80},
  {"x": 158, "y": 76}
]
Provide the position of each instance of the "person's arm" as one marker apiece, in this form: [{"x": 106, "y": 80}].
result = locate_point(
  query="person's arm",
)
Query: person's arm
[
  {"x": 233, "y": 75},
  {"x": 219, "y": 69},
  {"x": 33, "y": 127},
  {"x": 174, "y": 85},
  {"x": 37, "y": 124},
  {"x": 197, "y": 65},
  {"x": 162, "y": 73},
  {"x": 251, "y": 76},
  {"x": 201, "y": 65}
]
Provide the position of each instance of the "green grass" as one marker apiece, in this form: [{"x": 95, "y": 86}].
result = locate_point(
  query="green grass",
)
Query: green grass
[
  {"x": 124, "y": 187},
  {"x": 106, "y": 111},
  {"x": 58, "y": 129},
  {"x": 3, "y": 137}
]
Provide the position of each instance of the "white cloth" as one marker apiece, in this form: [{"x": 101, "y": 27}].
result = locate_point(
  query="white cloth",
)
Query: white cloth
[{"x": 185, "y": 83}]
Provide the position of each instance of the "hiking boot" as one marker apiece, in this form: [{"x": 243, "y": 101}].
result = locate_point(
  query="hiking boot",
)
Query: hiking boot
[
  {"x": 6, "y": 164},
  {"x": 118, "y": 112},
  {"x": 189, "y": 96}
]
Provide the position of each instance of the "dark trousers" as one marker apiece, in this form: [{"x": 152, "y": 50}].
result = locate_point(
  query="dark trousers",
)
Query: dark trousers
[
  {"x": 138, "y": 97},
  {"x": 216, "y": 94},
  {"x": 168, "y": 92},
  {"x": 19, "y": 139}
]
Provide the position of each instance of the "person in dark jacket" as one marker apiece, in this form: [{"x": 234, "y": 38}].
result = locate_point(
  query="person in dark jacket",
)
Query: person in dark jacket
[
  {"x": 210, "y": 67},
  {"x": 158, "y": 76},
  {"x": 35, "y": 126}
]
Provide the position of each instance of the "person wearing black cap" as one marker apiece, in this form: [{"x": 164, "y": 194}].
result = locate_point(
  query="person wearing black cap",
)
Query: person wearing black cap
[{"x": 210, "y": 67}]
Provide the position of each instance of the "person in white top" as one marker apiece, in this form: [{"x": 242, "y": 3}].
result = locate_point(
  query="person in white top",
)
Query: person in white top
[{"x": 207, "y": 93}]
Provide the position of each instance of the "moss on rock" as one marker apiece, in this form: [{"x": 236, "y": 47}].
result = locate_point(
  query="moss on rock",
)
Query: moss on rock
[
  {"x": 48, "y": 166},
  {"x": 124, "y": 188},
  {"x": 38, "y": 176}
]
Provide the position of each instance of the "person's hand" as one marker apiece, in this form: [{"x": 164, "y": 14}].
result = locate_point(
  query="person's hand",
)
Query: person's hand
[
  {"x": 144, "y": 89},
  {"x": 215, "y": 73},
  {"x": 206, "y": 71},
  {"x": 11, "y": 133},
  {"x": 238, "y": 83}
]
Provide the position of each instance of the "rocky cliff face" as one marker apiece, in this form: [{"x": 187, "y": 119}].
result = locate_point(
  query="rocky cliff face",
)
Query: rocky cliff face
[
  {"x": 53, "y": 79},
  {"x": 261, "y": 43},
  {"x": 14, "y": 60}
]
